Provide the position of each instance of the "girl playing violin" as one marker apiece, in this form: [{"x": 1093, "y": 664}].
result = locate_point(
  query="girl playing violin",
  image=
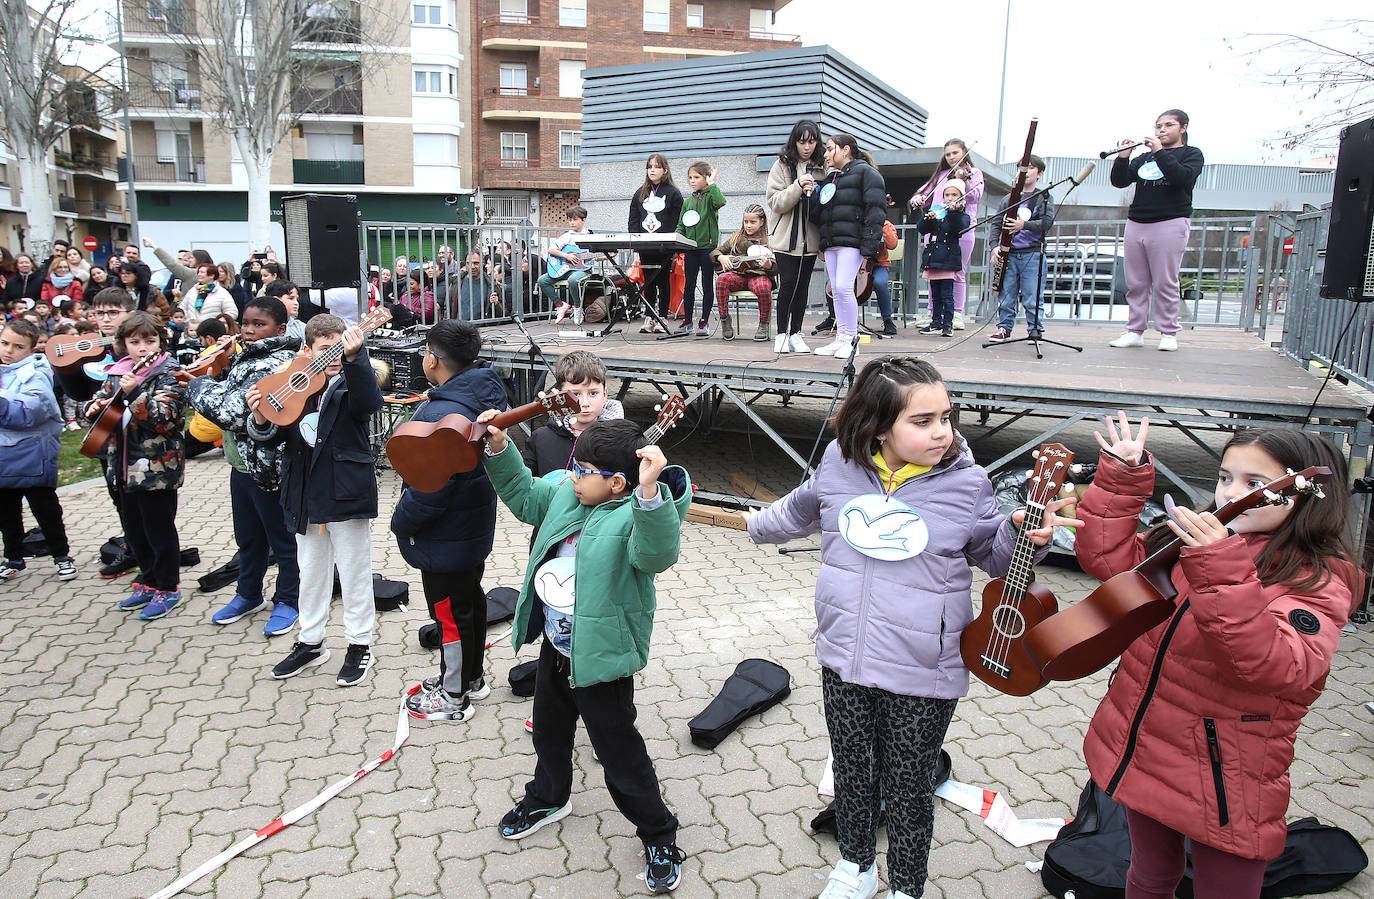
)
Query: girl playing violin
[
  {"x": 957, "y": 162},
  {"x": 1195, "y": 735},
  {"x": 944, "y": 259}
]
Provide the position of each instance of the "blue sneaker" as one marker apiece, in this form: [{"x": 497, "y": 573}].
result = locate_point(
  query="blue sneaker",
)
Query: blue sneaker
[
  {"x": 162, "y": 603},
  {"x": 235, "y": 609},
  {"x": 282, "y": 620},
  {"x": 138, "y": 599},
  {"x": 663, "y": 867}
]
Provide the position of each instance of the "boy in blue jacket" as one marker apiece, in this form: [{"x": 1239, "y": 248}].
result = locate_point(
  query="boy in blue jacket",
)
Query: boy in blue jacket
[
  {"x": 30, "y": 436},
  {"x": 329, "y": 497},
  {"x": 448, "y": 534},
  {"x": 589, "y": 590}
]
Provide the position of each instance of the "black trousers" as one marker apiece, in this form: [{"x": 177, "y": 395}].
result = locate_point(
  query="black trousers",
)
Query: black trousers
[
  {"x": 794, "y": 285},
  {"x": 47, "y": 511},
  {"x": 608, "y": 711},
  {"x": 259, "y": 523},
  {"x": 697, "y": 264},
  {"x": 150, "y": 529},
  {"x": 458, "y": 604},
  {"x": 657, "y": 281}
]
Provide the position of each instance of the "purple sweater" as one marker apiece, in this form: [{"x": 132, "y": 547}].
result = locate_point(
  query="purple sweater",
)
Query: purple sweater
[{"x": 896, "y": 625}]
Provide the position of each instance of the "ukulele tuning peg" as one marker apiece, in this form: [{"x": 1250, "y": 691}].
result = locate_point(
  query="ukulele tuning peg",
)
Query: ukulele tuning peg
[
  {"x": 1318, "y": 492},
  {"x": 658, "y": 408},
  {"x": 1029, "y": 473},
  {"x": 1035, "y": 454},
  {"x": 1271, "y": 497},
  {"x": 1300, "y": 482},
  {"x": 1076, "y": 468}
]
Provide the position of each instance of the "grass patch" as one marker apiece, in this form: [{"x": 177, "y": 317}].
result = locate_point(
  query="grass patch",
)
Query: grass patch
[{"x": 71, "y": 465}]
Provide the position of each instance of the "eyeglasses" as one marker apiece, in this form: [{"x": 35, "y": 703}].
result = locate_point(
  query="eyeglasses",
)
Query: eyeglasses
[
  {"x": 578, "y": 471},
  {"x": 107, "y": 313}
]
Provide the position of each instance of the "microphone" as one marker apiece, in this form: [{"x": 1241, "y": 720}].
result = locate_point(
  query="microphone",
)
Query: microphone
[{"x": 1083, "y": 174}]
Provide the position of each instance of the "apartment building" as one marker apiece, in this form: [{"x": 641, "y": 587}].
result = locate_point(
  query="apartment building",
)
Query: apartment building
[{"x": 527, "y": 59}]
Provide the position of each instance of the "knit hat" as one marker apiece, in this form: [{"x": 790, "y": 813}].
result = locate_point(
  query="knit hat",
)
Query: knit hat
[{"x": 957, "y": 183}]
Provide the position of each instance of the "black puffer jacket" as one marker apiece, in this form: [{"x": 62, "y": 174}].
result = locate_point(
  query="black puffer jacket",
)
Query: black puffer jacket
[
  {"x": 855, "y": 214},
  {"x": 942, "y": 253}
]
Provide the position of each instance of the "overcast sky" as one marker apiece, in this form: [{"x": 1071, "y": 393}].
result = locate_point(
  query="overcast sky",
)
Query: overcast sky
[{"x": 1092, "y": 72}]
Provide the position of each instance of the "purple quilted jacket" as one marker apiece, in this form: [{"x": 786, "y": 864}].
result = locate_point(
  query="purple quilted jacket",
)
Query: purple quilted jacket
[{"x": 896, "y": 624}]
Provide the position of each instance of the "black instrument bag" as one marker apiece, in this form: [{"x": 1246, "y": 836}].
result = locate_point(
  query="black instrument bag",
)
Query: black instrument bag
[{"x": 756, "y": 686}]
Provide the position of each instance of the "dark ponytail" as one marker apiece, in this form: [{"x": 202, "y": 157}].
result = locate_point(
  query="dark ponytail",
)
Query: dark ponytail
[{"x": 1182, "y": 120}]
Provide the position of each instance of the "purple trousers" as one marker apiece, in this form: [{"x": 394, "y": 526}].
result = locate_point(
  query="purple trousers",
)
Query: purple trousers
[
  {"x": 966, "y": 253},
  {"x": 842, "y": 265},
  {"x": 1157, "y": 862},
  {"x": 1154, "y": 253}
]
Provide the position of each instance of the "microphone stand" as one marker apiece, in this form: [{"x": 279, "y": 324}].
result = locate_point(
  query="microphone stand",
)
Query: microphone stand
[{"x": 535, "y": 348}]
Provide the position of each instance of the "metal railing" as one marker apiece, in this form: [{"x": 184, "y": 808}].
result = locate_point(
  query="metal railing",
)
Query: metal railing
[
  {"x": 327, "y": 101},
  {"x": 509, "y": 18},
  {"x": 1318, "y": 325},
  {"x": 752, "y": 34},
  {"x": 327, "y": 171},
  {"x": 98, "y": 209},
  {"x": 187, "y": 169},
  {"x": 163, "y": 96}
]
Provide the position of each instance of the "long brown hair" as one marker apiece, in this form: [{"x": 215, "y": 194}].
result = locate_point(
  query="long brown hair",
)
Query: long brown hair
[
  {"x": 756, "y": 210},
  {"x": 1312, "y": 545},
  {"x": 877, "y": 400},
  {"x": 855, "y": 151},
  {"x": 944, "y": 165},
  {"x": 667, "y": 175}
]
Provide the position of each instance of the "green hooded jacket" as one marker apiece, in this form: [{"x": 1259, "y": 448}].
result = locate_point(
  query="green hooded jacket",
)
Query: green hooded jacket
[
  {"x": 707, "y": 203},
  {"x": 621, "y": 548}
]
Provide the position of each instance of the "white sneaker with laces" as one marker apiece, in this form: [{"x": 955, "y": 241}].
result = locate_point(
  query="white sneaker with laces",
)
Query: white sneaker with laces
[
  {"x": 796, "y": 344},
  {"x": 1130, "y": 338},
  {"x": 848, "y": 882},
  {"x": 846, "y": 341},
  {"x": 1168, "y": 342},
  {"x": 832, "y": 347},
  {"x": 958, "y": 321},
  {"x": 781, "y": 344},
  {"x": 561, "y": 313}
]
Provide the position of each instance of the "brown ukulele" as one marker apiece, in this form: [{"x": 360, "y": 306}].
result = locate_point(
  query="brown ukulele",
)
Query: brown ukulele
[
  {"x": 67, "y": 351},
  {"x": 1086, "y": 637},
  {"x": 991, "y": 645},
  {"x": 285, "y": 393},
  {"x": 113, "y": 414},
  {"x": 427, "y": 453}
]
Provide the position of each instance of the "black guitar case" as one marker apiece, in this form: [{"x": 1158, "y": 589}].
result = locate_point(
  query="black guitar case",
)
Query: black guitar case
[{"x": 756, "y": 686}]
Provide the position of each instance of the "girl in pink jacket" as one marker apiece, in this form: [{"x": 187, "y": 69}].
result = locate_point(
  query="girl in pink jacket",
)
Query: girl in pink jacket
[{"x": 1195, "y": 735}]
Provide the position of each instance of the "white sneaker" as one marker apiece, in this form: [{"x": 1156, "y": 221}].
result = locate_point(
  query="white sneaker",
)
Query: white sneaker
[
  {"x": 898, "y": 894},
  {"x": 832, "y": 347},
  {"x": 958, "y": 321},
  {"x": 796, "y": 344},
  {"x": 781, "y": 344},
  {"x": 1168, "y": 342},
  {"x": 561, "y": 312},
  {"x": 848, "y": 882},
  {"x": 846, "y": 341},
  {"x": 1130, "y": 338},
  {"x": 922, "y": 322}
]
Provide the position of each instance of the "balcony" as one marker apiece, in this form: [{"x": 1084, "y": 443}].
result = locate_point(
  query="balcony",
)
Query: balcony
[
  {"x": 509, "y": 31},
  {"x": 98, "y": 164},
  {"x": 154, "y": 17},
  {"x": 151, "y": 169},
  {"x": 99, "y": 209},
  {"x": 529, "y": 103},
  {"x": 164, "y": 97},
  {"x": 742, "y": 34},
  {"x": 332, "y": 30},
  {"x": 327, "y": 101},
  {"x": 327, "y": 171},
  {"x": 66, "y": 203},
  {"x": 526, "y": 173}
]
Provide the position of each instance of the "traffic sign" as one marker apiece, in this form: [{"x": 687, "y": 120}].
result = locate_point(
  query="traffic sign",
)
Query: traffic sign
[
  {"x": 1288, "y": 246},
  {"x": 90, "y": 243}
]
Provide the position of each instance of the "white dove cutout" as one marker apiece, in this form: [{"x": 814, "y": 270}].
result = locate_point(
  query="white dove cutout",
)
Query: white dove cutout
[
  {"x": 554, "y": 582},
  {"x": 1150, "y": 171},
  {"x": 310, "y": 428},
  {"x": 883, "y": 528}
]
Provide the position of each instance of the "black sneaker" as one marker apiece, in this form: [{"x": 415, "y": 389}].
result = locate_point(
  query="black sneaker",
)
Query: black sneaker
[
  {"x": 663, "y": 867},
  {"x": 357, "y": 663},
  {"x": 12, "y": 568},
  {"x": 119, "y": 567},
  {"x": 947, "y": 332},
  {"x": 823, "y": 327},
  {"x": 303, "y": 656},
  {"x": 522, "y": 820},
  {"x": 931, "y": 330},
  {"x": 889, "y": 327}
]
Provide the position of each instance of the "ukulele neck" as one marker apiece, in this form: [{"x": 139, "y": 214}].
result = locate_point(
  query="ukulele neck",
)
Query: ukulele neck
[
  {"x": 514, "y": 416},
  {"x": 1019, "y": 574}
]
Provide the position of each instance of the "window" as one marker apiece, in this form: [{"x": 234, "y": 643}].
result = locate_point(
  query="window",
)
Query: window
[
  {"x": 507, "y": 209},
  {"x": 514, "y": 79},
  {"x": 166, "y": 145},
  {"x": 436, "y": 149},
  {"x": 655, "y": 15},
  {"x": 570, "y": 77},
  {"x": 569, "y": 149},
  {"x": 515, "y": 152},
  {"x": 432, "y": 81},
  {"x": 515, "y": 12},
  {"x": 572, "y": 13},
  {"x": 696, "y": 15},
  {"x": 425, "y": 14},
  {"x": 760, "y": 23}
]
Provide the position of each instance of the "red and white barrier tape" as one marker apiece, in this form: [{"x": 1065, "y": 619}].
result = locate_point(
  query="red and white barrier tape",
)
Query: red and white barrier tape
[
  {"x": 997, "y": 814},
  {"x": 296, "y": 814}
]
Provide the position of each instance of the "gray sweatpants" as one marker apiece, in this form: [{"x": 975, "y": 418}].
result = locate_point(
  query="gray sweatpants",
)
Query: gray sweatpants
[{"x": 348, "y": 545}]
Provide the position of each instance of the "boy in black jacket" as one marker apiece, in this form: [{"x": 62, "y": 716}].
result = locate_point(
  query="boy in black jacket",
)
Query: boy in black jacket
[
  {"x": 448, "y": 534},
  {"x": 550, "y": 448},
  {"x": 329, "y": 497}
]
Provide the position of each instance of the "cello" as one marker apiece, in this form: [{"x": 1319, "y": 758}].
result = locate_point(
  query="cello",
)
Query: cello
[{"x": 1085, "y": 638}]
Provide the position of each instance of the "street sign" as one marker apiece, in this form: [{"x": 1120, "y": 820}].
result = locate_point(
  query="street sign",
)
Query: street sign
[
  {"x": 90, "y": 243},
  {"x": 1288, "y": 246}
]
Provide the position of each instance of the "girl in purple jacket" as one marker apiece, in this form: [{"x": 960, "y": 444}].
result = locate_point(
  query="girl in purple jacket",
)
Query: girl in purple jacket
[{"x": 902, "y": 509}]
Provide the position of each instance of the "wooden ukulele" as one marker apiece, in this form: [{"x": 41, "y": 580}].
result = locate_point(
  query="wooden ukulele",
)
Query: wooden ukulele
[
  {"x": 285, "y": 393},
  {"x": 427, "y": 453},
  {"x": 991, "y": 645},
  {"x": 1086, "y": 637},
  {"x": 112, "y": 415},
  {"x": 68, "y": 351}
]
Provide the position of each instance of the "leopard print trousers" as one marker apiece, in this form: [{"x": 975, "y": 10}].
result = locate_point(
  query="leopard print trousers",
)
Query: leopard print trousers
[{"x": 885, "y": 747}]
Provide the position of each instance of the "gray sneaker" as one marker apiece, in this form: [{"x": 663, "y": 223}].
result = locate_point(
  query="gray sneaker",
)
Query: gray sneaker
[
  {"x": 727, "y": 327},
  {"x": 436, "y": 705}
]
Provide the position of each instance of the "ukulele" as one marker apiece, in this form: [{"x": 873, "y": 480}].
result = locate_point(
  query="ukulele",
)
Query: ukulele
[
  {"x": 284, "y": 393},
  {"x": 1086, "y": 637},
  {"x": 991, "y": 645},
  {"x": 669, "y": 414},
  {"x": 427, "y": 453},
  {"x": 68, "y": 351},
  {"x": 112, "y": 415}
]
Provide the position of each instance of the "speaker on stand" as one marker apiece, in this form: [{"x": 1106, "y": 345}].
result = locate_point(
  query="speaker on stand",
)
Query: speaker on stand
[
  {"x": 322, "y": 249},
  {"x": 1349, "y": 271}
]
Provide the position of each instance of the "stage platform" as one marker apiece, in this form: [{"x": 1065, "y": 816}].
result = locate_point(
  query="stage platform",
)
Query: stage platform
[{"x": 1219, "y": 379}]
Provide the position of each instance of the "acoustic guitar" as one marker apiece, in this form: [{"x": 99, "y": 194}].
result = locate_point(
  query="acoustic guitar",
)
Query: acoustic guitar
[
  {"x": 1086, "y": 637},
  {"x": 992, "y": 645},
  {"x": 285, "y": 393},
  {"x": 427, "y": 453},
  {"x": 68, "y": 351}
]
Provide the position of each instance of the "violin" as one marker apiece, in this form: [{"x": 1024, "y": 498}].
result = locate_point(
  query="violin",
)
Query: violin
[
  {"x": 427, "y": 453},
  {"x": 1086, "y": 637},
  {"x": 992, "y": 646},
  {"x": 68, "y": 351},
  {"x": 285, "y": 393}
]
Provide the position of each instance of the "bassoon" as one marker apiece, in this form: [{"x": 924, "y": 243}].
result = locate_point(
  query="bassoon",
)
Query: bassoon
[{"x": 999, "y": 262}]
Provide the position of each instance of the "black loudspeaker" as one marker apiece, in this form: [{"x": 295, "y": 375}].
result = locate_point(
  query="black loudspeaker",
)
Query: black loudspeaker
[
  {"x": 1349, "y": 270},
  {"x": 321, "y": 240}
]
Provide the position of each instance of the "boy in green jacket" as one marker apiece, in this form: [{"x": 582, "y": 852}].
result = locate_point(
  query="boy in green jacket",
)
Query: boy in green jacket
[{"x": 589, "y": 590}]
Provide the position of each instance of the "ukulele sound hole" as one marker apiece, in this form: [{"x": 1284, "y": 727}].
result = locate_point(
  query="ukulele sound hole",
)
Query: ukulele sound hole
[
  {"x": 299, "y": 381},
  {"x": 1009, "y": 622}
]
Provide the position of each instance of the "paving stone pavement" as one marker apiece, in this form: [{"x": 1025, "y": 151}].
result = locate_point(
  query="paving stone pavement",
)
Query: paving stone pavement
[{"x": 130, "y": 752}]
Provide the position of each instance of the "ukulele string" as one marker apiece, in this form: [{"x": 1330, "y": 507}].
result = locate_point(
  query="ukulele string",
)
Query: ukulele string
[{"x": 1000, "y": 640}]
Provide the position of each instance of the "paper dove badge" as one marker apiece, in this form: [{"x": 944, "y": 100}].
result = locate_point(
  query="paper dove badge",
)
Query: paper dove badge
[
  {"x": 555, "y": 582},
  {"x": 883, "y": 528}
]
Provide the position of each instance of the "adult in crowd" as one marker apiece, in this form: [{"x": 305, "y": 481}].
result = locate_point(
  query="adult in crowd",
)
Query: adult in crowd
[
  {"x": 444, "y": 273},
  {"x": 1157, "y": 225},
  {"x": 234, "y": 285},
  {"x": 59, "y": 251},
  {"x": 419, "y": 299},
  {"x": 471, "y": 289},
  {"x": 60, "y": 284},
  {"x": 98, "y": 280},
  {"x": 26, "y": 283},
  {"x": 794, "y": 238},
  {"x": 270, "y": 272},
  {"x": 81, "y": 269},
  {"x": 207, "y": 298},
  {"x": 957, "y": 161},
  {"x": 136, "y": 278}
]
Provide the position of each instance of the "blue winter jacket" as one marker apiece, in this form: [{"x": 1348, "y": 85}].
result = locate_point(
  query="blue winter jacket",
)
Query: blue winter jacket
[
  {"x": 452, "y": 528},
  {"x": 30, "y": 424}
]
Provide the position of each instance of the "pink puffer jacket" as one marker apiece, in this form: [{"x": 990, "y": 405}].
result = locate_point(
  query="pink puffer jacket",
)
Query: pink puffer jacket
[{"x": 1200, "y": 718}]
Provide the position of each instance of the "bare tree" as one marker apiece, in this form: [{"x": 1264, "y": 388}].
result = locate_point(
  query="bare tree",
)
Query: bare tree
[
  {"x": 35, "y": 94},
  {"x": 1331, "y": 71},
  {"x": 257, "y": 76}
]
